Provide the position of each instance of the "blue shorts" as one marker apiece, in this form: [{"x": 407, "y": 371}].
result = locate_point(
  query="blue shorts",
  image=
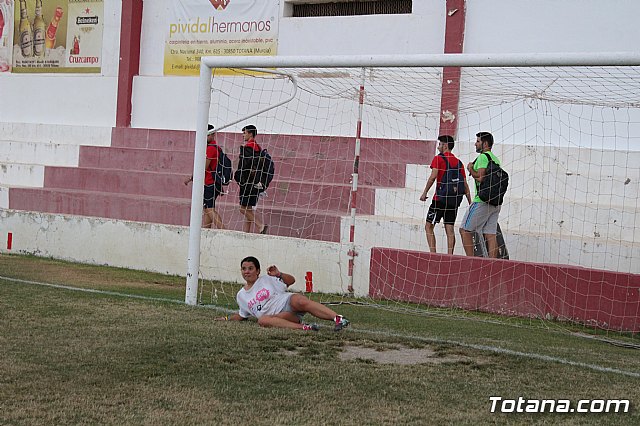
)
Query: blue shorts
[
  {"x": 211, "y": 192},
  {"x": 249, "y": 195}
]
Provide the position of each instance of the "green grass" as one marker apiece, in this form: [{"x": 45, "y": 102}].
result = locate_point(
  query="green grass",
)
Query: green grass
[{"x": 77, "y": 357}]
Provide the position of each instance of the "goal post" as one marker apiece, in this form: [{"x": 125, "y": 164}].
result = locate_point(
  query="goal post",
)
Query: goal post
[
  {"x": 567, "y": 125},
  {"x": 197, "y": 192}
]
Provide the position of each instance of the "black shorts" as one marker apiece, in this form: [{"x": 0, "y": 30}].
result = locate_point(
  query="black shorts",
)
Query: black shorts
[
  {"x": 437, "y": 211},
  {"x": 248, "y": 196},
  {"x": 211, "y": 192}
]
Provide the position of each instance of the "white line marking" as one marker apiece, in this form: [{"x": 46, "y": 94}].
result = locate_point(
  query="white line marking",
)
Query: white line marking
[{"x": 91, "y": 290}]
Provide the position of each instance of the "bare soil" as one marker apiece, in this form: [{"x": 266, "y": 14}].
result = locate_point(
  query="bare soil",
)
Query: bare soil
[{"x": 400, "y": 356}]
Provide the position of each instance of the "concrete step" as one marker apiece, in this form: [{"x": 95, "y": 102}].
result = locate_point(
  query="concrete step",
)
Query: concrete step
[
  {"x": 22, "y": 174},
  {"x": 539, "y": 245},
  {"x": 572, "y": 219},
  {"x": 380, "y": 174},
  {"x": 283, "y": 221},
  {"x": 562, "y": 217},
  {"x": 141, "y": 159},
  {"x": 580, "y": 188},
  {"x": 310, "y": 195},
  {"x": 43, "y": 153},
  {"x": 328, "y": 147},
  {"x": 130, "y": 137},
  {"x": 571, "y": 161},
  {"x": 370, "y": 173},
  {"x": 4, "y": 197},
  {"x": 55, "y": 134},
  {"x": 321, "y": 147}
]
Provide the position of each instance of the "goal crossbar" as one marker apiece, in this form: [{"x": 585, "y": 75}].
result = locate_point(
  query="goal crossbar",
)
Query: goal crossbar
[{"x": 436, "y": 60}]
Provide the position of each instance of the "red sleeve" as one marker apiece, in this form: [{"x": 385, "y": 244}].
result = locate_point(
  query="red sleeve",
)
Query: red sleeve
[
  {"x": 212, "y": 154},
  {"x": 437, "y": 163}
]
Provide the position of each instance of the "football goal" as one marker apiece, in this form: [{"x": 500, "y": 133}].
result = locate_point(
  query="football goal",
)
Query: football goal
[{"x": 352, "y": 140}]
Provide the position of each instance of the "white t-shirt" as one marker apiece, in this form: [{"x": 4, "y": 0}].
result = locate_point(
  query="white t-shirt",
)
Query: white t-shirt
[{"x": 267, "y": 296}]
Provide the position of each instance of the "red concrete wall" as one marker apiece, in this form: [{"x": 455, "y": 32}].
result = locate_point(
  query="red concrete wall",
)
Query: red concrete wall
[
  {"x": 453, "y": 43},
  {"x": 603, "y": 299}
]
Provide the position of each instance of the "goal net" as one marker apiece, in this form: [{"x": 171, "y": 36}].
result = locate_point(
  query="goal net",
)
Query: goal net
[{"x": 352, "y": 148}]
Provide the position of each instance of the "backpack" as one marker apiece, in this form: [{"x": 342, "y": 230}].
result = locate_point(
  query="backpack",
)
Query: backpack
[
  {"x": 265, "y": 170},
  {"x": 222, "y": 174},
  {"x": 494, "y": 185},
  {"x": 451, "y": 189}
]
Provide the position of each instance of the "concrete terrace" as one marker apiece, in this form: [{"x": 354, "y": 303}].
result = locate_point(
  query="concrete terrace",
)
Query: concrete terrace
[
  {"x": 564, "y": 205},
  {"x": 140, "y": 177}
]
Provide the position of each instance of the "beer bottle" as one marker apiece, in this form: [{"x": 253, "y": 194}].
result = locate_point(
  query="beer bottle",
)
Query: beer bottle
[
  {"x": 50, "y": 40},
  {"x": 38, "y": 31},
  {"x": 26, "y": 34}
]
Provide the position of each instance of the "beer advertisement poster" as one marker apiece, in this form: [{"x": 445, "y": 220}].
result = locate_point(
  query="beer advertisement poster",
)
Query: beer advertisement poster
[
  {"x": 58, "y": 36},
  {"x": 197, "y": 28},
  {"x": 6, "y": 35}
]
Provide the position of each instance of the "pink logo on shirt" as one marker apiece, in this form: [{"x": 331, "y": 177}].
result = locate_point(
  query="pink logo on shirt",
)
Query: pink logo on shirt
[{"x": 262, "y": 295}]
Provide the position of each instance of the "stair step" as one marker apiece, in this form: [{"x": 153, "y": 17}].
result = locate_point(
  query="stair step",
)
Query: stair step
[
  {"x": 22, "y": 174},
  {"x": 382, "y": 174},
  {"x": 288, "y": 221},
  {"x": 324, "y": 196},
  {"x": 42, "y": 153},
  {"x": 331, "y": 147}
]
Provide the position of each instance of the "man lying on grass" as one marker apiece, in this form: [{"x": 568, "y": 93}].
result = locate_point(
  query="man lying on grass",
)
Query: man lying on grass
[{"x": 267, "y": 299}]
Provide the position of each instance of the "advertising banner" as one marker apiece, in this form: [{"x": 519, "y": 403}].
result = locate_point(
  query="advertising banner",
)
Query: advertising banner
[
  {"x": 58, "y": 36},
  {"x": 197, "y": 28},
  {"x": 6, "y": 35}
]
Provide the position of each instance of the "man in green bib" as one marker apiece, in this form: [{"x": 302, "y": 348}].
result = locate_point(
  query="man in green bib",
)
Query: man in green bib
[{"x": 481, "y": 217}]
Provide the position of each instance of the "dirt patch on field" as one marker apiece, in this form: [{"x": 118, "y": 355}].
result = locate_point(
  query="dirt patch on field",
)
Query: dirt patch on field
[{"x": 401, "y": 355}]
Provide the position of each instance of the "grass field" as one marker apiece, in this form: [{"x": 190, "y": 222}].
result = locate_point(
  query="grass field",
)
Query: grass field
[{"x": 69, "y": 357}]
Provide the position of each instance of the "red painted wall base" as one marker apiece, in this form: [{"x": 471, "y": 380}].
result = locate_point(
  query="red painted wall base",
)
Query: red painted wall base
[{"x": 603, "y": 299}]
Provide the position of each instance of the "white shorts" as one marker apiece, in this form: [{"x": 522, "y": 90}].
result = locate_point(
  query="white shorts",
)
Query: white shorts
[
  {"x": 277, "y": 304},
  {"x": 482, "y": 218},
  {"x": 288, "y": 308}
]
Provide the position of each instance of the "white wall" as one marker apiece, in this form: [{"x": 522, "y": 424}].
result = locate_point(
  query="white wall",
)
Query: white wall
[
  {"x": 545, "y": 26},
  {"x": 492, "y": 26},
  {"x": 496, "y": 26},
  {"x": 163, "y": 249},
  {"x": 520, "y": 26},
  {"x": 170, "y": 102},
  {"x": 68, "y": 99}
]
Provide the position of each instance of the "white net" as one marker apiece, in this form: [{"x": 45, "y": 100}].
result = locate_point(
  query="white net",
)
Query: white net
[{"x": 568, "y": 136}]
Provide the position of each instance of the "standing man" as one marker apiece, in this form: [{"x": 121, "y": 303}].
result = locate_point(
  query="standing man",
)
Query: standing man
[
  {"x": 481, "y": 216},
  {"x": 247, "y": 175},
  {"x": 212, "y": 188},
  {"x": 438, "y": 210}
]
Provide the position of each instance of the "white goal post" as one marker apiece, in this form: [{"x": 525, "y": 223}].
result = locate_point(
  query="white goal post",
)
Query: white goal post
[{"x": 208, "y": 64}]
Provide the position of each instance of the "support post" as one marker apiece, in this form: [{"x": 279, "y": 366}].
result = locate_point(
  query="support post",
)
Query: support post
[
  {"x": 354, "y": 184},
  {"x": 197, "y": 190}
]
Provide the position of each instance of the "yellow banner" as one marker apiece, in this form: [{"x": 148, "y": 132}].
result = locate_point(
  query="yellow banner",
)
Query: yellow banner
[
  {"x": 199, "y": 28},
  {"x": 6, "y": 35},
  {"x": 62, "y": 36}
]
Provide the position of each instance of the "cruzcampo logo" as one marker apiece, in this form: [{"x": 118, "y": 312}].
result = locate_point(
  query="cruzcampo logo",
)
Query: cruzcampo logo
[{"x": 220, "y": 4}]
